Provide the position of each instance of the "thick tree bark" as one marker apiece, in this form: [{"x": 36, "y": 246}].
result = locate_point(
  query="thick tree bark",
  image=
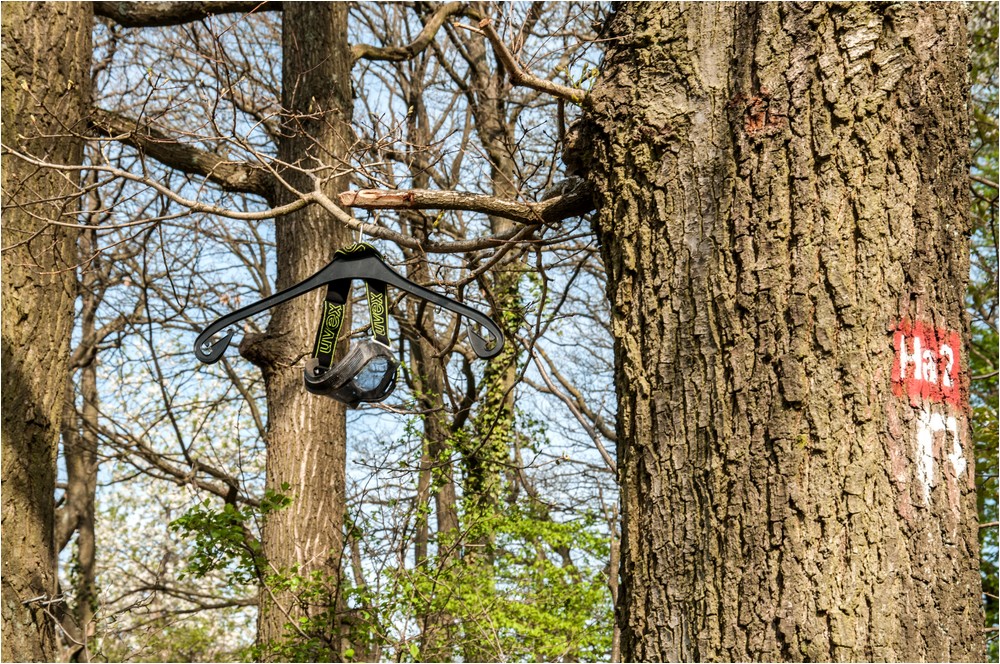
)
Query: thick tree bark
[
  {"x": 306, "y": 442},
  {"x": 782, "y": 205},
  {"x": 46, "y": 82}
]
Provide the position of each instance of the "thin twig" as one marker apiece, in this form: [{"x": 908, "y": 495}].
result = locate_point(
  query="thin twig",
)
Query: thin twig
[
  {"x": 982, "y": 180},
  {"x": 520, "y": 76},
  {"x": 596, "y": 437}
]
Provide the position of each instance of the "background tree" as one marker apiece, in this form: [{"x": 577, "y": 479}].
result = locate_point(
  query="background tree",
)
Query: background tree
[
  {"x": 190, "y": 147},
  {"x": 210, "y": 161},
  {"x": 982, "y": 298}
]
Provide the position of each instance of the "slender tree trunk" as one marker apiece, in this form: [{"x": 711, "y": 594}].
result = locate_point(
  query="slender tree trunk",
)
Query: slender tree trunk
[
  {"x": 46, "y": 81},
  {"x": 436, "y": 479},
  {"x": 77, "y": 515},
  {"x": 79, "y": 440},
  {"x": 782, "y": 204},
  {"x": 306, "y": 433},
  {"x": 487, "y": 454}
]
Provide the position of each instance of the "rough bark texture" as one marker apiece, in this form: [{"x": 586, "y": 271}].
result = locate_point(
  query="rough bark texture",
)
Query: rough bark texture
[
  {"x": 46, "y": 84},
  {"x": 306, "y": 433},
  {"x": 781, "y": 189}
]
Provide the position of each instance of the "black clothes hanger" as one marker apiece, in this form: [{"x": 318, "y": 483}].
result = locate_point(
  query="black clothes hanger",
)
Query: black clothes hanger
[{"x": 359, "y": 261}]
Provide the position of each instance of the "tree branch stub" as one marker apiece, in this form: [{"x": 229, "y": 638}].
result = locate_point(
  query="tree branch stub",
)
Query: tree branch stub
[{"x": 574, "y": 202}]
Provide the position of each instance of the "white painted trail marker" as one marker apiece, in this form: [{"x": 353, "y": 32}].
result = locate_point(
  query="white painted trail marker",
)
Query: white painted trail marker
[{"x": 930, "y": 423}]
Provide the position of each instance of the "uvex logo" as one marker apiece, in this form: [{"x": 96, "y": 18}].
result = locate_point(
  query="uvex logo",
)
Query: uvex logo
[
  {"x": 333, "y": 315},
  {"x": 376, "y": 305}
]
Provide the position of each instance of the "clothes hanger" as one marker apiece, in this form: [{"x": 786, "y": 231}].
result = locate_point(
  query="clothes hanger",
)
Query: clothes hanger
[{"x": 359, "y": 261}]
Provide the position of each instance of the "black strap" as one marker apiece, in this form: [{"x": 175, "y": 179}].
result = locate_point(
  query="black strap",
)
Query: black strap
[
  {"x": 334, "y": 307},
  {"x": 378, "y": 309},
  {"x": 335, "y": 303}
]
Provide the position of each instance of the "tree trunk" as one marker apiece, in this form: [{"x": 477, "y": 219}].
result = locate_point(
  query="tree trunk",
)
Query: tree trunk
[
  {"x": 85, "y": 609},
  {"x": 46, "y": 81},
  {"x": 79, "y": 443},
  {"x": 436, "y": 479},
  {"x": 486, "y": 454},
  {"x": 306, "y": 433},
  {"x": 782, "y": 204}
]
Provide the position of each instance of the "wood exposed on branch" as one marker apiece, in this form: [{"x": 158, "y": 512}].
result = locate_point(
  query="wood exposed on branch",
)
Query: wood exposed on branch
[
  {"x": 156, "y": 14},
  {"x": 426, "y": 36},
  {"x": 520, "y": 76},
  {"x": 236, "y": 176},
  {"x": 515, "y": 234},
  {"x": 573, "y": 203}
]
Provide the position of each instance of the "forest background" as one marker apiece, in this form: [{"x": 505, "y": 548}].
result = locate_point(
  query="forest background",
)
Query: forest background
[{"x": 161, "y": 499}]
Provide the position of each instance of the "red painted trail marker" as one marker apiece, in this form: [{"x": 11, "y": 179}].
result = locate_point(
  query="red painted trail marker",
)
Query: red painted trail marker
[{"x": 927, "y": 363}]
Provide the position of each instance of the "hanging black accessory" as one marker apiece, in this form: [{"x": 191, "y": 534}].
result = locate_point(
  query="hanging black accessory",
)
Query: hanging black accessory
[{"x": 368, "y": 372}]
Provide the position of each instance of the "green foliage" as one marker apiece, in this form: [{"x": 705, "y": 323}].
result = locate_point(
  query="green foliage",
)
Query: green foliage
[
  {"x": 314, "y": 629},
  {"x": 223, "y": 540},
  {"x": 543, "y": 598},
  {"x": 551, "y": 607},
  {"x": 518, "y": 582},
  {"x": 982, "y": 295}
]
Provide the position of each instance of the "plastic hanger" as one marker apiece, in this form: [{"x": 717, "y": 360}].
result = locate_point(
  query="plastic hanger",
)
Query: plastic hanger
[{"x": 360, "y": 261}]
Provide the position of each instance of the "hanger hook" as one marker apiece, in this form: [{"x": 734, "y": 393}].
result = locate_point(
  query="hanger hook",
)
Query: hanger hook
[
  {"x": 210, "y": 351},
  {"x": 484, "y": 347}
]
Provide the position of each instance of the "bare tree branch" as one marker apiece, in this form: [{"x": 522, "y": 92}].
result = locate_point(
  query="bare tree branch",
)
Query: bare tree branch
[
  {"x": 133, "y": 446},
  {"x": 520, "y": 76},
  {"x": 578, "y": 406},
  {"x": 190, "y": 205},
  {"x": 982, "y": 180},
  {"x": 426, "y": 36},
  {"x": 571, "y": 204},
  {"x": 237, "y": 176},
  {"x": 552, "y": 209},
  {"x": 455, "y": 246},
  {"x": 156, "y": 14}
]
